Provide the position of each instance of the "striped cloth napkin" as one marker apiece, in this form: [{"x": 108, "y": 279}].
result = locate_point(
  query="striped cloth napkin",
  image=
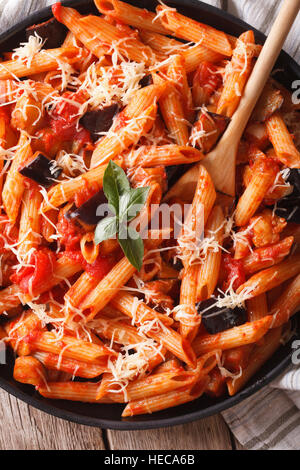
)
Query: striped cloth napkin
[{"x": 270, "y": 419}]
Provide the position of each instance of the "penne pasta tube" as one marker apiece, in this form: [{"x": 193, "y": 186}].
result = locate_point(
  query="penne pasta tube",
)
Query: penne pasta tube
[
  {"x": 109, "y": 286},
  {"x": 15, "y": 184},
  {"x": 235, "y": 337},
  {"x": 48, "y": 224},
  {"x": 186, "y": 312},
  {"x": 74, "y": 391},
  {"x": 70, "y": 347},
  {"x": 166, "y": 400},
  {"x": 287, "y": 304},
  {"x": 153, "y": 326},
  {"x": 259, "y": 356},
  {"x": 209, "y": 269},
  {"x": 43, "y": 61},
  {"x": 136, "y": 119},
  {"x": 171, "y": 107},
  {"x": 265, "y": 257},
  {"x": 190, "y": 238},
  {"x": 119, "y": 138},
  {"x": 78, "y": 291},
  {"x": 153, "y": 385},
  {"x": 177, "y": 74},
  {"x": 29, "y": 370},
  {"x": 191, "y": 30},
  {"x": 271, "y": 277},
  {"x": 29, "y": 230},
  {"x": 117, "y": 330},
  {"x": 207, "y": 362},
  {"x": 262, "y": 179},
  {"x": 100, "y": 36},
  {"x": 257, "y": 307},
  {"x": 89, "y": 250},
  {"x": 9, "y": 298},
  {"x": 74, "y": 367},
  {"x": 282, "y": 141},
  {"x": 239, "y": 70},
  {"x": 237, "y": 359},
  {"x": 149, "y": 156},
  {"x": 131, "y": 15},
  {"x": 65, "y": 191},
  {"x": 192, "y": 55}
]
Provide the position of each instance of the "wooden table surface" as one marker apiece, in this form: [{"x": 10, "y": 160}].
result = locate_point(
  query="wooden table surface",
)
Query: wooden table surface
[{"x": 25, "y": 428}]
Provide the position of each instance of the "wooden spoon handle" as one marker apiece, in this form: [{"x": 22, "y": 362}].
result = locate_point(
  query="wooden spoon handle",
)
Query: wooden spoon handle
[
  {"x": 265, "y": 63},
  {"x": 221, "y": 161}
]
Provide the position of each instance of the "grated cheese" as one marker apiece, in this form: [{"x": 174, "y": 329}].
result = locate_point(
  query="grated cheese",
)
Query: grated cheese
[{"x": 27, "y": 50}]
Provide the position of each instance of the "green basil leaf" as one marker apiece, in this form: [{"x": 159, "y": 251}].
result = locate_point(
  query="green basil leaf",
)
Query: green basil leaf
[
  {"x": 131, "y": 205},
  {"x": 133, "y": 248},
  {"x": 106, "y": 229},
  {"x": 115, "y": 183}
]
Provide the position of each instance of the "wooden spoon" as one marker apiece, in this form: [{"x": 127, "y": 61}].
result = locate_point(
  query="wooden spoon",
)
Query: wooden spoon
[{"x": 221, "y": 161}]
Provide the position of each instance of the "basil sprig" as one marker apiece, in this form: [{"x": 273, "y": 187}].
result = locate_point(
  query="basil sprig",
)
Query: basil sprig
[{"x": 126, "y": 203}]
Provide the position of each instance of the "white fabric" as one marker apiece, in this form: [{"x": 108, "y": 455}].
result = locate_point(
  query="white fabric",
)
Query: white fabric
[{"x": 271, "y": 418}]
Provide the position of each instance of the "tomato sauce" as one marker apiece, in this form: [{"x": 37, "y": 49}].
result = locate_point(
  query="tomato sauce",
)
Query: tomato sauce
[
  {"x": 86, "y": 193},
  {"x": 233, "y": 270},
  {"x": 70, "y": 233},
  {"x": 98, "y": 269},
  {"x": 64, "y": 119},
  {"x": 40, "y": 267}
]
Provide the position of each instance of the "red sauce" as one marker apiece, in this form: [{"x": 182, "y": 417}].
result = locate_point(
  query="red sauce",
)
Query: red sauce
[
  {"x": 56, "y": 10},
  {"x": 121, "y": 121},
  {"x": 64, "y": 119},
  {"x": 41, "y": 267},
  {"x": 70, "y": 233},
  {"x": 207, "y": 77},
  {"x": 84, "y": 194},
  {"x": 98, "y": 269},
  {"x": 32, "y": 336},
  {"x": 233, "y": 269}
]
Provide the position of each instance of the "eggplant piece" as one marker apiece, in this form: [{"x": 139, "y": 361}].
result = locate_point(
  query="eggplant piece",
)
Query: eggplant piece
[
  {"x": 289, "y": 206},
  {"x": 41, "y": 170},
  {"x": 218, "y": 319},
  {"x": 87, "y": 212},
  {"x": 100, "y": 120},
  {"x": 51, "y": 31},
  {"x": 146, "y": 81},
  {"x": 174, "y": 172}
]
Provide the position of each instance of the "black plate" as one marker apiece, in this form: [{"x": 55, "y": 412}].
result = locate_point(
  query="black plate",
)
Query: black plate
[{"x": 109, "y": 416}]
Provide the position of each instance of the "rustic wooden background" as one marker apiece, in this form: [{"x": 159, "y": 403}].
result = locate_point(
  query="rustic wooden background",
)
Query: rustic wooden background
[{"x": 25, "y": 428}]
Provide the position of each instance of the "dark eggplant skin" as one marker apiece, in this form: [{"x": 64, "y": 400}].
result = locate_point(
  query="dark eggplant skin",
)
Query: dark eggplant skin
[
  {"x": 174, "y": 172},
  {"x": 86, "y": 213},
  {"x": 41, "y": 170},
  {"x": 146, "y": 81},
  {"x": 51, "y": 31},
  {"x": 289, "y": 207},
  {"x": 100, "y": 120},
  {"x": 216, "y": 320}
]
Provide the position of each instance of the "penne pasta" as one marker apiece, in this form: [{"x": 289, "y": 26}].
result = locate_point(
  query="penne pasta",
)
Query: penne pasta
[{"x": 114, "y": 243}]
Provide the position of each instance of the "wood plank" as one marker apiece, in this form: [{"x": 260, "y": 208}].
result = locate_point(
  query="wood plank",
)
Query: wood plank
[
  {"x": 207, "y": 434},
  {"x": 25, "y": 428},
  {"x": 262, "y": 15},
  {"x": 237, "y": 444}
]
